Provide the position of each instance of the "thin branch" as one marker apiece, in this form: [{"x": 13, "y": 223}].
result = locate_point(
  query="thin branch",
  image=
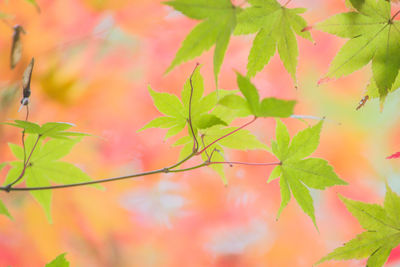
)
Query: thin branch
[
  {"x": 245, "y": 163},
  {"x": 204, "y": 145},
  {"x": 23, "y": 133},
  {"x": 9, "y": 186},
  {"x": 222, "y": 155},
  {"x": 182, "y": 161},
  {"x": 191, "y": 168},
  {"x": 164, "y": 170},
  {"x": 195, "y": 142},
  {"x": 228, "y": 134}
]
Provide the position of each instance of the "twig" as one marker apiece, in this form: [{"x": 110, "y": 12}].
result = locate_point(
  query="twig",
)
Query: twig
[
  {"x": 204, "y": 145},
  {"x": 9, "y": 186},
  {"x": 164, "y": 170},
  {"x": 23, "y": 133},
  {"x": 195, "y": 142},
  {"x": 245, "y": 163},
  {"x": 228, "y": 134},
  {"x": 222, "y": 155},
  {"x": 287, "y": 3},
  {"x": 182, "y": 161}
]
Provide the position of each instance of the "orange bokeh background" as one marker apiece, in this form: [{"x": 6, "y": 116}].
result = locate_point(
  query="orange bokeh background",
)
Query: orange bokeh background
[{"x": 94, "y": 60}]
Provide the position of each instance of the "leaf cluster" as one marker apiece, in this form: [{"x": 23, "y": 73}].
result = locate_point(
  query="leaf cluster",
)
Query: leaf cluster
[
  {"x": 297, "y": 172},
  {"x": 276, "y": 27}
]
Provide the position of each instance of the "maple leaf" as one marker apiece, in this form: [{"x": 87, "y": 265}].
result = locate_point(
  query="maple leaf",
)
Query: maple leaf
[
  {"x": 383, "y": 231},
  {"x": 177, "y": 111},
  {"x": 276, "y": 27},
  {"x": 251, "y": 105},
  {"x": 44, "y": 167},
  {"x": 298, "y": 174},
  {"x": 394, "y": 156},
  {"x": 219, "y": 22},
  {"x": 49, "y": 129},
  {"x": 374, "y": 36}
]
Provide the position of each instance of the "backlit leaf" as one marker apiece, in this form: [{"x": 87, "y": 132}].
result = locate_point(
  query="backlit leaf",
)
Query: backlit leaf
[
  {"x": 274, "y": 107},
  {"x": 297, "y": 174},
  {"x": 375, "y": 37},
  {"x": 276, "y": 26},
  {"x": 383, "y": 231},
  {"x": 219, "y": 21},
  {"x": 269, "y": 107},
  {"x": 44, "y": 167}
]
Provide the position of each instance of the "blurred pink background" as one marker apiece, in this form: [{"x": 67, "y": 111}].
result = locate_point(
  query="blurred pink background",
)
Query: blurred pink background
[{"x": 94, "y": 60}]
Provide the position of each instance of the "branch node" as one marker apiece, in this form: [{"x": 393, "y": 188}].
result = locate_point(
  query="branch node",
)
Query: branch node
[{"x": 7, "y": 188}]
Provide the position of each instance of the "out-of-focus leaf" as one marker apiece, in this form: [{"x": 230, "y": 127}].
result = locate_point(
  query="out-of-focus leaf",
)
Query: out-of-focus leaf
[
  {"x": 34, "y": 3},
  {"x": 4, "y": 210},
  {"x": 16, "y": 46},
  {"x": 394, "y": 156},
  {"x": 60, "y": 261}
]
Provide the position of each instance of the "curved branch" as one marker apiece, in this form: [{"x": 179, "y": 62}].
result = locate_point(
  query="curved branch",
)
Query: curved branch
[
  {"x": 195, "y": 142},
  {"x": 9, "y": 186}
]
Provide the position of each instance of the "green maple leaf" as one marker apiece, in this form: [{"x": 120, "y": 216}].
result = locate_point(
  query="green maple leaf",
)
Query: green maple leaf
[
  {"x": 276, "y": 27},
  {"x": 176, "y": 111},
  {"x": 50, "y": 129},
  {"x": 219, "y": 21},
  {"x": 298, "y": 174},
  {"x": 44, "y": 167},
  {"x": 251, "y": 105},
  {"x": 383, "y": 231},
  {"x": 60, "y": 261},
  {"x": 375, "y": 36}
]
